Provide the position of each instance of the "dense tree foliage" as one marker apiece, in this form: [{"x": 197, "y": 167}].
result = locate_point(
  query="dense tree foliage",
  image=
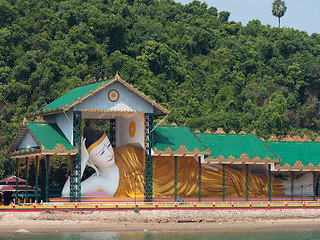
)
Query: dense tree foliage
[{"x": 208, "y": 71}]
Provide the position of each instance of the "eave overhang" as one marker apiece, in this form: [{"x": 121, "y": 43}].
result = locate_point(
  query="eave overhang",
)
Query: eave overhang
[
  {"x": 158, "y": 109},
  {"x": 243, "y": 159},
  {"x": 182, "y": 151}
]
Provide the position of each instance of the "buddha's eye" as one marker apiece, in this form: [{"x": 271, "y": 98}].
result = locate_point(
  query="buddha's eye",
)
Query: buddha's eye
[{"x": 102, "y": 152}]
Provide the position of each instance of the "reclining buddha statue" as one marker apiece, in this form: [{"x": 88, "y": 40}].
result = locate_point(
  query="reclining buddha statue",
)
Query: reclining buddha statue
[{"x": 119, "y": 172}]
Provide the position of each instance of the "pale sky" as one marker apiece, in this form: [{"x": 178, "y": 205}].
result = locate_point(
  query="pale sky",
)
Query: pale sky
[{"x": 302, "y": 15}]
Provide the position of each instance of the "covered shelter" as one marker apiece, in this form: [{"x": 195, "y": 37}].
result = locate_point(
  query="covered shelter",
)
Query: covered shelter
[
  {"x": 297, "y": 159},
  {"x": 56, "y": 128},
  {"x": 240, "y": 151},
  {"x": 179, "y": 142},
  {"x": 37, "y": 141},
  {"x": 14, "y": 187}
]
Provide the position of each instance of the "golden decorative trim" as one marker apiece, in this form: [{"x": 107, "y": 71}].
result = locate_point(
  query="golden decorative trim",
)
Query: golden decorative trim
[
  {"x": 103, "y": 85},
  {"x": 242, "y": 159},
  {"x": 262, "y": 139},
  {"x": 273, "y": 139},
  {"x": 253, "y": 132},
  {"x": 317, "y": 139},
  {"x": 307, "y": 139},
  {"x": 59, "y": 149},
  {"x": 163, "y": 123},
  {"x": 185, "y": 124},
  {"x": 207, "y": 131},
  {"x": 242, "y": 132},
  {"x": 231, "y": 159},
  {"x": 197, "y": 131},
  {"x": 39, "y": 119},
  {"x": 182, "y": 150},
  {"x": 173, "y": 124},
  {"x": 142, "y": 95},
  {"x": 232, "y": 132},
  {"x": 296, "y": 138},
  {"x": 220, "y": 131},
  {"x": 110, "y": 111},
  {"x": 296, "y": 167}
]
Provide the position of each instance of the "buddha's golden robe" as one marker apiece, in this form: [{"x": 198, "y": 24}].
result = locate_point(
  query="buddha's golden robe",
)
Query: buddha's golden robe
[{"x": 130, "y": 162}]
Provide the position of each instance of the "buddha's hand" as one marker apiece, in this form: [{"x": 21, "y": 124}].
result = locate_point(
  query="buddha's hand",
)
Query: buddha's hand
[{"x": 84, "y": 151}]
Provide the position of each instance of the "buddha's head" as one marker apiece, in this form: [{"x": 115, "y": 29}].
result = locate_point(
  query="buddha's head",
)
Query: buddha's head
[{"x": 99, "y": 147}]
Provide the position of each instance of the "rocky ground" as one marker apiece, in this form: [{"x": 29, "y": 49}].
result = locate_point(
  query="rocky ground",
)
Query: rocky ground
[{"x": 165, "y": 216}]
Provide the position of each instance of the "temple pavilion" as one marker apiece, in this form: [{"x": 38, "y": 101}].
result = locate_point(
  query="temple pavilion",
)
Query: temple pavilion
[{"x": 56, "y": 129}]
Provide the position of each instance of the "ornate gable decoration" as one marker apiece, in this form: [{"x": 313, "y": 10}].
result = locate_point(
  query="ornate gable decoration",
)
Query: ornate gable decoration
[
  {"x": 298, "y": 166},
  {"x": 241, "y": 160},
  {"x": 220, "y": 131},
  {"x": 181, "y": 151},
  {"x": 68, "y": 105},
  {"x": 242, "y": 133},
  {"x": 273, "y": 139}
]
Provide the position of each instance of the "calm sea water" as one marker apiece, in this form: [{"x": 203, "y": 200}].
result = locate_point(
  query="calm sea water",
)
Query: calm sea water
[{"x": 166, "y": 235}]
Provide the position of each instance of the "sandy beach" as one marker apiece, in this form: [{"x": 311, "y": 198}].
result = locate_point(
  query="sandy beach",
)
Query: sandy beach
[{"x": 217, "y": 220}]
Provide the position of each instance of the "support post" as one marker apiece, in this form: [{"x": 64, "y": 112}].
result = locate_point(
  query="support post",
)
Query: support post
[
  {"x": 270, "y": 183},
  {"x": 37, "y": 179},
  {"x": 292, "y": 185},
  {"x": 47, "y": 177},
  {"x": 223, "y": 182},
  {"x": 42, "y": 178},
  {"x": 247, "y": 182},
  {"x": 314, "y": 185},
  {"x": 112, "y": 132},
  {"x": 75, "y": 180},
  {"x": 199, "y": 178},
  {"x": 148, "y": 167},
  {"x": 17, "y": 184},
  {"x": 175, "y": 179},
  {"x": 27, "y": 182}
]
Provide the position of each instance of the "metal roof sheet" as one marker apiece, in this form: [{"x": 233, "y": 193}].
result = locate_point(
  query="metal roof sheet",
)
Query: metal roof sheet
[
  {"x": 174, "y": 137},
  {"x": 49, "y": 135},
  {"x": 292, "y": 152},
  {"x": 235, "y": 145}
]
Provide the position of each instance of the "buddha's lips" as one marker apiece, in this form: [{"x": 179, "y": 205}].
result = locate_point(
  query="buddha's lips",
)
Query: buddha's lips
[{"x": 110, "y": 159}]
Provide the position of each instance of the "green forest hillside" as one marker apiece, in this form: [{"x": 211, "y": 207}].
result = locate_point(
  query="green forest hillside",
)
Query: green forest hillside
[{"x": 208, "y": 71}]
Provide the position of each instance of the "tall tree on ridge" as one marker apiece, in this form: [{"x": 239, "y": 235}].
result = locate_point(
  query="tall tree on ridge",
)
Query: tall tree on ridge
[{"x": 278, "y": 9}]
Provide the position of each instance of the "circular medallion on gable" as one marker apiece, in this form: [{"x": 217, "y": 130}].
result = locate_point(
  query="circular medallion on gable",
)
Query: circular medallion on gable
[
  {"x": 113, "y": 95},
  {"x": 132, "y": 129}
]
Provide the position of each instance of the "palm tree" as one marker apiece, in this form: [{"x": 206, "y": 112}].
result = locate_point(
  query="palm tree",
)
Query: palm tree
[{"x": 278, "y": 9}]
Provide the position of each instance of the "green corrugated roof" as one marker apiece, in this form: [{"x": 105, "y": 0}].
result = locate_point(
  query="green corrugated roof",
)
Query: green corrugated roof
[
  {"x": 175, "y": 137},
  {"x": 291, "y": 152},
  {"x": 49, "y": 135},
  {"x": 72, "y": 96},
  {"x": 235, "y": 145}
]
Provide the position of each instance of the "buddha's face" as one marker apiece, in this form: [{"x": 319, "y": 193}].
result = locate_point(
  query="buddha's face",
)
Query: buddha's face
[{"x": 102, "y": 155}]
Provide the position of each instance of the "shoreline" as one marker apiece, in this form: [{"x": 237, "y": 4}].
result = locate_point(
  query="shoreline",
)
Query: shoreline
[{"x": 204, "y": 220}]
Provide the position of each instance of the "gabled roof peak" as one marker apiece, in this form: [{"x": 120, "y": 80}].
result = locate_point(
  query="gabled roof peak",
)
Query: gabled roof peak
[{"x": 81, "y": 93}]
